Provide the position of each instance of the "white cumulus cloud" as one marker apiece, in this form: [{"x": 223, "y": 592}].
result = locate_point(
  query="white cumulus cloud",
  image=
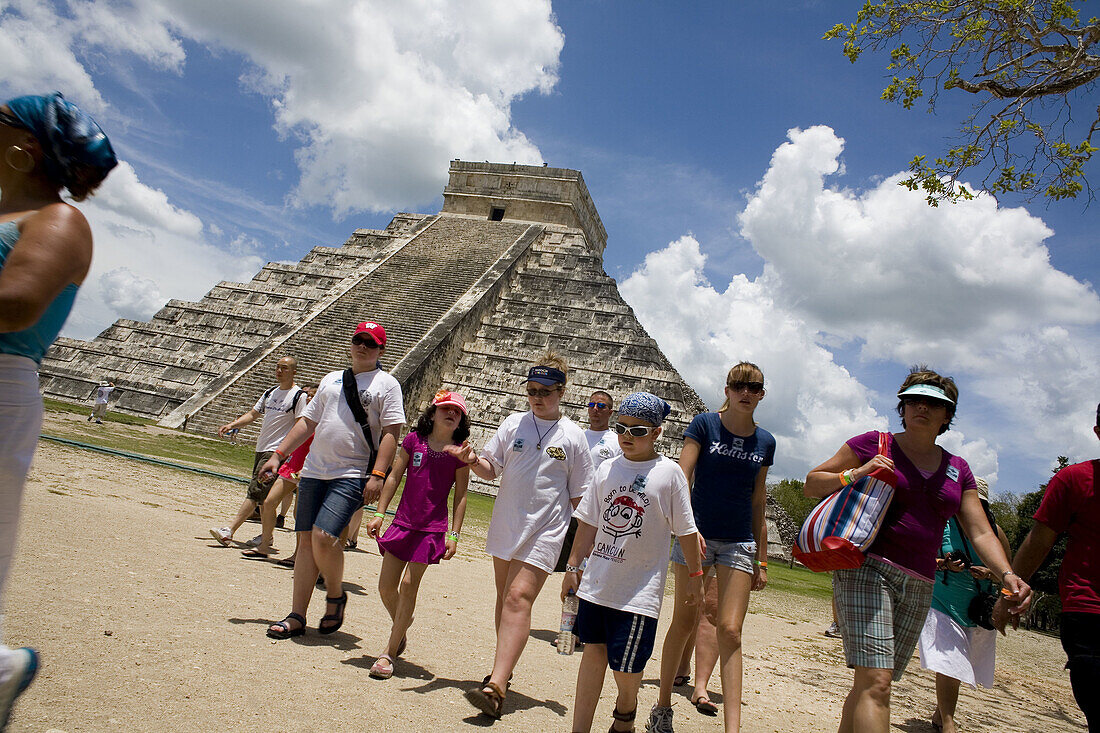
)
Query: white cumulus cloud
[
  {"x": 967, "y": 288},
  {"x": 375, "y": 96},
  {"x": 146, "y": 251}
]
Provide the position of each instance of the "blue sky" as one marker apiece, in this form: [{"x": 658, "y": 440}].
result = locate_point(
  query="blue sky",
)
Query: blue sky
[{"x": 728, "y": 149}]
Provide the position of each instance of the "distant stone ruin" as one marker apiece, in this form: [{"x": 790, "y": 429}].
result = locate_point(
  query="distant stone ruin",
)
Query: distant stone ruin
[{"x": 511, "y": 266}]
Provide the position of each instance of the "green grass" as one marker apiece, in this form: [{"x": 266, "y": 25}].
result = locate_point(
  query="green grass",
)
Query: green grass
[
  {"x": 799, "y": 581},
  {"x": 53, "y": 405}
]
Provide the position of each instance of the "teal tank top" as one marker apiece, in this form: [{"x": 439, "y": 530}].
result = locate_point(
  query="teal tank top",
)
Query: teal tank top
[
  {"x": 953, "y": 592},
  {"x": 34, "y": 341}
]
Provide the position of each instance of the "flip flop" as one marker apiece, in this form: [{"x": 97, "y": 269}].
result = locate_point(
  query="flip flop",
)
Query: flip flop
[
  {"x": 704, "y": 705},
  {"x": 680, "y": 680},
  {"x": 286, "y": 562},
  {"x": 380, "y": 672},
  {"x": 256, "y": 554}
]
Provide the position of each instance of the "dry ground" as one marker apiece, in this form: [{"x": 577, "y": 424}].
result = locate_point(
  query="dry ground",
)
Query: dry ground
[{"x": 145, "y": 623}]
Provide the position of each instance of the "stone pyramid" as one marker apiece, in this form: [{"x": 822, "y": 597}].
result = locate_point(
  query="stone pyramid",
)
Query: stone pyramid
[{"x": 511, "y": 266}]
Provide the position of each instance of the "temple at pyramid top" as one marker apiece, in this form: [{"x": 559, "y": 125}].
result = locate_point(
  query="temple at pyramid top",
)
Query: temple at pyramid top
[{"x": 524, "y": 193}]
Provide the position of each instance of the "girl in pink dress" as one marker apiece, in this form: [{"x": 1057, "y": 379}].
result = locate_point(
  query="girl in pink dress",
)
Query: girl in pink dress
[{"x": 418, "y": 536}]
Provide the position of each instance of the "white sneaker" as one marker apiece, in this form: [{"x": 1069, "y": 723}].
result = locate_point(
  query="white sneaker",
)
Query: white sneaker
[
  {"x": 255, "y": 541},
  {"x": 17, "y": 670},
  {"x": 222, "y": 535},
  {"x": 660, "y": 720},
  {"x": 832, "y": 632}
]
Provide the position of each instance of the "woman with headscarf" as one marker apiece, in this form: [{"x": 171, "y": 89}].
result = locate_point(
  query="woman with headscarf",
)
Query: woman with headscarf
[
  {"x": 882, "y": 605},
  {"x": 46, "y": 145}
]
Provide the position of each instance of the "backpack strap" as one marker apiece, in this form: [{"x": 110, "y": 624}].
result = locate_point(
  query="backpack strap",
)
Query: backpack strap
[
  {"x": 297, "y": 396},
  {"x": 263, "y": 400},
  {"x": 351, "y": 396}
]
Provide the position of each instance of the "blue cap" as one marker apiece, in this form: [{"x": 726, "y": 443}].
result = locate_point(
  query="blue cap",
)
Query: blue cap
[{"x": 545, "y": 375}]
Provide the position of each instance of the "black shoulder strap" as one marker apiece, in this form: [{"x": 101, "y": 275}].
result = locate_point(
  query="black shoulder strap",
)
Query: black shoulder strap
[
  {"x": 351, "y": 396},
  {"x": 263, "y": 399},
  {"x": 297, "y": 396}
]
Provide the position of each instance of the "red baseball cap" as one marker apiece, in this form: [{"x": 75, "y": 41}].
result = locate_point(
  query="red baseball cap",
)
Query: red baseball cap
[
  {"x": 453, "y": 399},
  {"x": 375, "y": 331}
]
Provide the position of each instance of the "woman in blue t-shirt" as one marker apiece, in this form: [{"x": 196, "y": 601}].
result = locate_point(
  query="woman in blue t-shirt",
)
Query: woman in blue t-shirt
[{"x": 725, "y": 458}]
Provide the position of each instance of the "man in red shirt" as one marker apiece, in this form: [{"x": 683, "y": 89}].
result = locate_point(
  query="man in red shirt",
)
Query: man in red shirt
[{"x": 1071, "y": 504}]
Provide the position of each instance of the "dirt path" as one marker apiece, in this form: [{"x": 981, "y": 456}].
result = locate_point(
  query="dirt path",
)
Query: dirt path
[{"x": 145, "y": 623}]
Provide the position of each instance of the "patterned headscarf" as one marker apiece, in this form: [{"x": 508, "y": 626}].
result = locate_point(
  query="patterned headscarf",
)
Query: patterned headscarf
[
  {"x": 645, "y": 406},
  {"x": 76, "y": 149}
]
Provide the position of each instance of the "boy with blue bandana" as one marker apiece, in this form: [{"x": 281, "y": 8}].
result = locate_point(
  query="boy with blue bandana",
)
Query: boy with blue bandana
[{"x": 625, "y": 519}]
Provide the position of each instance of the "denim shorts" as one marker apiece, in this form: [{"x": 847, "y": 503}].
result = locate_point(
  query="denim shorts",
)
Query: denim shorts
[
  {"x": 736, "y": 555},
  {"x": 327, "y": 504}
]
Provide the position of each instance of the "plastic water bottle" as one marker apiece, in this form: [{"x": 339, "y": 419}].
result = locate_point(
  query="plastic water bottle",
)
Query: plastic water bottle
[{"x": 568, "y": 617}]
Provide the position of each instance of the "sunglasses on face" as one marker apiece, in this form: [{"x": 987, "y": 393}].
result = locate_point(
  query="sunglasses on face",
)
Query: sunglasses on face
[
  {"x": 534, "y": 392},
  {"x": 752, "y": 387},
  {"x": 636, "y": 431},
  {"x": 369, "y": 343},
  {"x": 599, "y": 405}
]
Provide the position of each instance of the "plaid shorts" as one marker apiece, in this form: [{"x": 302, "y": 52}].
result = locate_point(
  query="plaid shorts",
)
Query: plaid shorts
[{"x": 880, "y": 610}]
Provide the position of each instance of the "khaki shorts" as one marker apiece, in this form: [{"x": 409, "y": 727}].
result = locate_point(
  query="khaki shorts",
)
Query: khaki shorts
[{"x": 257, "y": 490}]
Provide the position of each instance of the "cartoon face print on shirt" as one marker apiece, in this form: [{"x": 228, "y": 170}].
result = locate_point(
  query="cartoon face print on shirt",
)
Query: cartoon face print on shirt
[{"x": 625, "y": 510}]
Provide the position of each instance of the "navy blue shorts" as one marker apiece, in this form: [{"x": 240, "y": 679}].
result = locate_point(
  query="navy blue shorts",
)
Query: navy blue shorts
[
  {"x": 327, "y": 504},
  {"x": 629, "y": 636}
]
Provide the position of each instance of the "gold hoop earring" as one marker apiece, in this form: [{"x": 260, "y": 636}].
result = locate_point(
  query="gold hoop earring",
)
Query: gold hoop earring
[{"x": 26, "y": 165}]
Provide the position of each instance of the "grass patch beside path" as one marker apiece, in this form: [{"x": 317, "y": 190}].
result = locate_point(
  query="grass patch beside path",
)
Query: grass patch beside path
[
  {"x": 53, "y": 405},
  {"x": 146, "y": 438},
  {"x": 800, "y": 581}
]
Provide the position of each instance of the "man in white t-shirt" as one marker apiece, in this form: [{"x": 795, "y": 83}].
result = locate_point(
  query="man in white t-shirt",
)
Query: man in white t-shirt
[
  {"x": 639, "y": 499},
  {"x": 279, "y": 407},
  {"x": 344, "y": 470},
  {"x": 602, "y": 445},
  {"x": 102, "y": 397}
]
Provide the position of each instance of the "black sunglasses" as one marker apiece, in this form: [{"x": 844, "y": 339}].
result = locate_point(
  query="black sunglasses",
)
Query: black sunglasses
[
  {"x": 369, "y": 343},
  {"x": 752, "y": 387},
  {"x": 598, "y": 405},
  {"x": 637, "y": 431},
  {"x": 533, "y": 392}
]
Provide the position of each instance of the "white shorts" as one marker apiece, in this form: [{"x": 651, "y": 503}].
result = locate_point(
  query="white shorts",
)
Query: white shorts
[{"x": 965, "y": 653}]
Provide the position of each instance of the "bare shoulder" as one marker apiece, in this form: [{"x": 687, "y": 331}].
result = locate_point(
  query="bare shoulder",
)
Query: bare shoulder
[{"x": 61, "y": 219}]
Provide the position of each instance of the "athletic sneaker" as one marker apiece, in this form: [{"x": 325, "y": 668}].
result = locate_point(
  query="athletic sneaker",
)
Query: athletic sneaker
[
  {"x": 222, "y": 535},
  {"x": 255, "y": 541},
  {"x": 17, "y": 670},
  {"x": 660, "y": 720},
  {"x": 832, "y": 632},
  {"x": 280, "y": 521}
]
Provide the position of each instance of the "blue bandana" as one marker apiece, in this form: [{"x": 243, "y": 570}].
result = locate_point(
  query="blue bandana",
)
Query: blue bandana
[
  {"x": 645, "y": 406},
  {"x": 71, "y": 139}
]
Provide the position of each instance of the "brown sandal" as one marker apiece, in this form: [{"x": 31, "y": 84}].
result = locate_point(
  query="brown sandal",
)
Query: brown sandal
[
  {"x": 623, "y": 718},
  {"x": 488, "y": 698}
]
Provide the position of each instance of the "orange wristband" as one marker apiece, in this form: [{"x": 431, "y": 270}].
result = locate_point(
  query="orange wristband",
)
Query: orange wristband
[{"x": 696, "y": 574}]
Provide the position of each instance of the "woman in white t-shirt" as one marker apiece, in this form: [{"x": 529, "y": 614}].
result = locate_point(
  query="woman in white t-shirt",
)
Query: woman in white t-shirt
[{"x": 544, "y": 466}]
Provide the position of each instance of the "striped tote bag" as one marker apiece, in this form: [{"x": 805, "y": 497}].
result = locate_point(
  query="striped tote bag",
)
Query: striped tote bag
[{"x": 841, "y": 528}]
